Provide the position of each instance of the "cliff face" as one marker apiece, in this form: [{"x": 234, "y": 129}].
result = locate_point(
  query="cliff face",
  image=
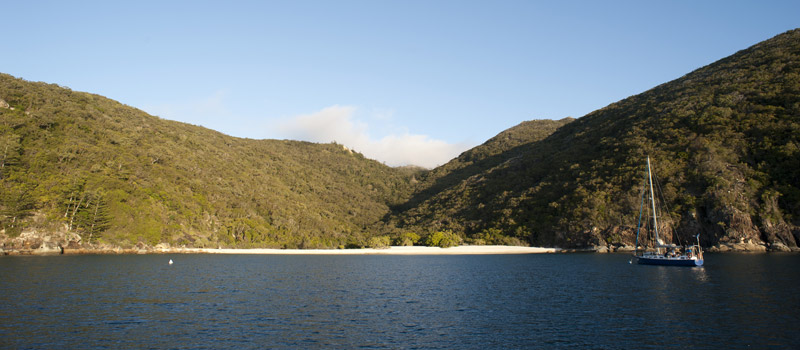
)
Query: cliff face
[{"x": 725, "y": 144}]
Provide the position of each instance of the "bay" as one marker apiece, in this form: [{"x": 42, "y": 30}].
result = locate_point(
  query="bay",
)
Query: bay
[{"x": 584, "y": 301}]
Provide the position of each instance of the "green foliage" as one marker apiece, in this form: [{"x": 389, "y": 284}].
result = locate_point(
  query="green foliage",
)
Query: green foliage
[
  {"x": 493, "y": 236},
  {"x": 91, "y": 218},
  {"x": 379, "y": 242},
  {"x": 443, "y": 239},
  {"x": 407, "y": 239},
  {"x": 16, "y": 204}
]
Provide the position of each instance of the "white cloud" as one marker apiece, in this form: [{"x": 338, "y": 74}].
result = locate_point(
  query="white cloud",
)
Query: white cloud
[{"x": 398, "y": 147}]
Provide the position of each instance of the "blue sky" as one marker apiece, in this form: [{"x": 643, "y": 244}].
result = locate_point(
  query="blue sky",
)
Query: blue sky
[{"x": 404, "y": 82}]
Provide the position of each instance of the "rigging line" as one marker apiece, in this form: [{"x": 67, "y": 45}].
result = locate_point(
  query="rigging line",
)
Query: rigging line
[
  {"x": 665, "y": 205},
  {"x": 649, "y": 235}
]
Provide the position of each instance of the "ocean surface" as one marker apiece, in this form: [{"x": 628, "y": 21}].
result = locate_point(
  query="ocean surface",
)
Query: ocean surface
[{"x": 576, "y": 301}]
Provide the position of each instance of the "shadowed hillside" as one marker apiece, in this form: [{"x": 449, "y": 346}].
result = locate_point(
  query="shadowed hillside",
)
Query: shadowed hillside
[
  {"x": 724, "y": 141},
  {"x": 508, "y": 144}
]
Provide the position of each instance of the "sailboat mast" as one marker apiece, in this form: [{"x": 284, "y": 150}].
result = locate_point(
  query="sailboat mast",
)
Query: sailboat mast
[{"x": 652, "y": 200}]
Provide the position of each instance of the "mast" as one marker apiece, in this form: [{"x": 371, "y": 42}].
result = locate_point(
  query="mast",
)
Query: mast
[
  {"x": 653, "y": 201},
  {"x": 639, "y": 222}
]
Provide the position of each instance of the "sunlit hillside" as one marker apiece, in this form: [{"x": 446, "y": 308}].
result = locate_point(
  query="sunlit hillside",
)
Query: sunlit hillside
[{"x": 78, "y": 162}]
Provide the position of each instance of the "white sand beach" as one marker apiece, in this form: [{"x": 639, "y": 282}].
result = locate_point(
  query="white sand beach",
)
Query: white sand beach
[{"x": 415, "y": 250}]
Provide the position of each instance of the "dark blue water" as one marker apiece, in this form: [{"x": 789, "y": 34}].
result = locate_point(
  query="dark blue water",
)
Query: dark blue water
[{"x": 583, "y": 301}]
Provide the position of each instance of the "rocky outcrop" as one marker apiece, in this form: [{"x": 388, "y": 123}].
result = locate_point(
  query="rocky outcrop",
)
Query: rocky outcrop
[
  {"x": 779, "y": 247},
  {"x": 69, "y": 243},
  {"x": 38, "y": 243},
  {"x": 749, "y": 246},
  {"x": 725, "y": 229},
  {"x": 612, "y": 248}
]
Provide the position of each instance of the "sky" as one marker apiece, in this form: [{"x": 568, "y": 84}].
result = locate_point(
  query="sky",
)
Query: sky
[{"x": 402, "y": 82}]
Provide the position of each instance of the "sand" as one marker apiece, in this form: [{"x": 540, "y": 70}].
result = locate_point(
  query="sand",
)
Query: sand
[{"x": 460, "y": 250}]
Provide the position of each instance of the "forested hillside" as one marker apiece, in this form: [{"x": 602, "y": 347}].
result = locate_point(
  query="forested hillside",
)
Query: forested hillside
[
  {"x": 510, "y": 143},
  {"x": 724, "y": 140},
  {"x": 725, "y": 144},
  {"x": 81, "y": 163},
  {"x": 452, "y": 180}
]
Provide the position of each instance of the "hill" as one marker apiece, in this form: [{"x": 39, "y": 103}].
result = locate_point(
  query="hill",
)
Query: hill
[
  {"x": 510, "y": 143},
  {"x": 724, "y": 140},
  {"x": 89, "y": 167}
]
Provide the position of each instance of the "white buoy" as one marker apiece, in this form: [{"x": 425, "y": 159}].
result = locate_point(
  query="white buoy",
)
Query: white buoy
[{"x": 170, "y": 261}]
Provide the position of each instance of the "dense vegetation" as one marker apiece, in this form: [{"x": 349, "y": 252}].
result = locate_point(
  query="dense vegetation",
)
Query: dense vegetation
[
  {"x": 82, "y": 163},
  {"x": 453, "y": 178},
  {"x": 724, "y": 140}
]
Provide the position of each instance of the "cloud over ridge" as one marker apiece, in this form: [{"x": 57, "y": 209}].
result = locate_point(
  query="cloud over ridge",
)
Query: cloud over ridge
[{"x": 397, "y": 148}]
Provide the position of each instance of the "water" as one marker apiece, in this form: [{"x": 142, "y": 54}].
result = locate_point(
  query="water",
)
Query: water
[{"x": 584, "y": 301}]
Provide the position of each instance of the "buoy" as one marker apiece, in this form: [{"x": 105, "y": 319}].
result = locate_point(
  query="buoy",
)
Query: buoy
[{"x": 170, "y": 261}]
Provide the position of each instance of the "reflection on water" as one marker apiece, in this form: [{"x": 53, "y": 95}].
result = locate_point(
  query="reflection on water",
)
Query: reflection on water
[
  {"x": 515, "y": 301},
  {"x": 699, "y": 273}
]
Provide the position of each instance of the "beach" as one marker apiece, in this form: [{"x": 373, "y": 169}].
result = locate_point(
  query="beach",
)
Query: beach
[{"x": 413, "y": 250}]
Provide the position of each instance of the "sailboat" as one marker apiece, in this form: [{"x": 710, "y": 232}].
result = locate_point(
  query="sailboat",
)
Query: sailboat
[{"x": 661, "y": 253}]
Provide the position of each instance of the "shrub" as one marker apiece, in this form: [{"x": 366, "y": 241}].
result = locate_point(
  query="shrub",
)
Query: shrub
[
  {"x": 443, "y": 239},
  {"x": 407, "y": 239},
  {"x": 379, "y": 242}
]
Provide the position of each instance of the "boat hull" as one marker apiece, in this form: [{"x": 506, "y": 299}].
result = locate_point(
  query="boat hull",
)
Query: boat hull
[{"x": 669, "y": 261}]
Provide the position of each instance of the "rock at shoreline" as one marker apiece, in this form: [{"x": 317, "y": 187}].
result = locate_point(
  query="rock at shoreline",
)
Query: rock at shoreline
[
  {"x": 779, "y": 247},
  {"x": 601, "y": 249},
  {"x": 749, "y": 247},
  {"x": 162, "y": 247},
  {"x": 625, "y": 248},
  {"x": 48, "y": 248}
]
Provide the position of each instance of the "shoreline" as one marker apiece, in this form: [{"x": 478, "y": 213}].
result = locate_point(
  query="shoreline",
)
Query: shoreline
[{"x": 395, "y": 250}]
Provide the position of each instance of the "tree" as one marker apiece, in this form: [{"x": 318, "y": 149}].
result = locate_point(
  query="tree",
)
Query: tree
[
  {"x": 379, "y": 242},
  {"x": 95, "y": 216},
  {"x": 16, "y": 203},
  {"x": 9, "y": 152},
  {"x": 407, "y": 239},
  {"x": 443, "y": 239}
]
